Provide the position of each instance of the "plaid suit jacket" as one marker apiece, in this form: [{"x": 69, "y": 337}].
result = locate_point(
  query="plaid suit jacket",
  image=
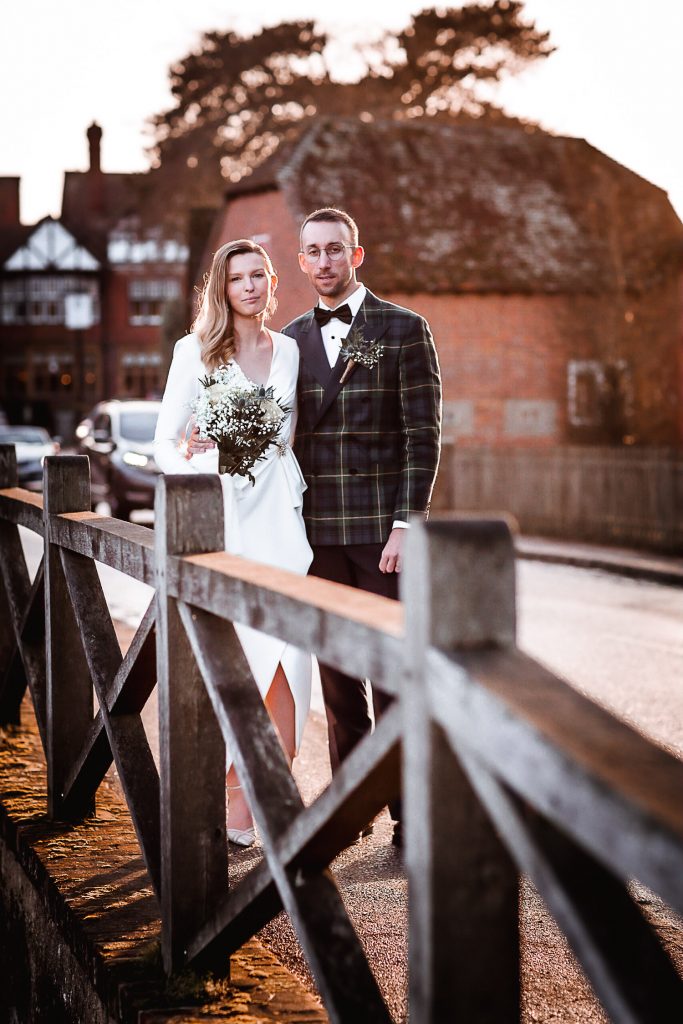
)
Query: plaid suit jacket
[{"x": 368, "y": 449}]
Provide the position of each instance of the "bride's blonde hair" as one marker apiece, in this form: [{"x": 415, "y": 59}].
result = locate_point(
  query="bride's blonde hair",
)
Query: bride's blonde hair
[{"x": 214, "y": 324}]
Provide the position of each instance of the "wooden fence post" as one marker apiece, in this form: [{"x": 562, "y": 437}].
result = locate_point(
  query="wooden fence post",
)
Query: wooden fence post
[
  {"x": 9, "y": 708},
  {"x": 459, "y": 592},
  {"x": 8, "y": 466},
  {"x": 188, "y": 513},
  {"x": 69, "y": 712}
]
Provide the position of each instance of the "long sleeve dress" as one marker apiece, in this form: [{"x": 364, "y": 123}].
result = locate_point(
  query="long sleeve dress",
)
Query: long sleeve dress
[{"x": 263, "y": 522}]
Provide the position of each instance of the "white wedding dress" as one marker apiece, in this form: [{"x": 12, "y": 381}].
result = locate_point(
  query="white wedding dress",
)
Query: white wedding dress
[{"x": 263, "y": 522}]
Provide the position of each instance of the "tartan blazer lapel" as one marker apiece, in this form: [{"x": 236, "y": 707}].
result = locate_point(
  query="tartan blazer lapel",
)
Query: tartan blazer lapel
[
  {"x": 371, "y": 320},
  {"x": 313, "y": 351}
]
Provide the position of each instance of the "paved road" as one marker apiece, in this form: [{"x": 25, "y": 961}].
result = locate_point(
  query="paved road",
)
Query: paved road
[{"x": 618, "y": 640}]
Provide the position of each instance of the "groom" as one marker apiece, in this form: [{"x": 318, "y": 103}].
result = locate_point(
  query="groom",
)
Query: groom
[{"x": 367, "y": 440}]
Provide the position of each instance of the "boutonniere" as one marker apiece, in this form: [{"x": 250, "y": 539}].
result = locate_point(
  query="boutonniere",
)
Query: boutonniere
[{"x": 359, "y": 349}]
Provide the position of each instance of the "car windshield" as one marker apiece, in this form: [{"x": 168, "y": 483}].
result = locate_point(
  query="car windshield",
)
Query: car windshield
[
  {"x": 24, "y": 435},
  {"x": 139, "y": 426}
]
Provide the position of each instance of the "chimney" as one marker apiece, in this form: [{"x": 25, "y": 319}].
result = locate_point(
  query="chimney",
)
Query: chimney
[
  {"x": 94, "y": 138},
  {"x": 95, "y": 175},
  {"x": 9, "y": 202}
]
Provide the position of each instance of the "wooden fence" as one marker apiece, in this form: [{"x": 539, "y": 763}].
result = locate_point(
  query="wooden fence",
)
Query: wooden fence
[
  {"x": 507, "y": 768},
  {"x": 631, "y": 496}
]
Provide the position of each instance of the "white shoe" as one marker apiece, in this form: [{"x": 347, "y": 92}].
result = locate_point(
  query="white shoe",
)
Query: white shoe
[{"x": 242, "y": 836}]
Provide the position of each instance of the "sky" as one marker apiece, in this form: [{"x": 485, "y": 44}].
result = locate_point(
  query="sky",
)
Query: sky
[{"x": 615, "y": 79}]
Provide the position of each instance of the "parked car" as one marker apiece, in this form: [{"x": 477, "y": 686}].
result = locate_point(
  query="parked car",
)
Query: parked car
[
  {"x": 32, "y": 444},
  {"x": 117, "y": 436}
]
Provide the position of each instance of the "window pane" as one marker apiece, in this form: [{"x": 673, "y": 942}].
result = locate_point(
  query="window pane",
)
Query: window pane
[{"x": 138, "y": 426}]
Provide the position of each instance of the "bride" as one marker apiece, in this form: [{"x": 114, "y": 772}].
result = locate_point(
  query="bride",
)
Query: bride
[{"x": 263, "y": 522}]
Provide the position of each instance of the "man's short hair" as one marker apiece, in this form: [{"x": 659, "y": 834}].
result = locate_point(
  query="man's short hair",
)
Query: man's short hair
[{"x": 329, "y": 213}]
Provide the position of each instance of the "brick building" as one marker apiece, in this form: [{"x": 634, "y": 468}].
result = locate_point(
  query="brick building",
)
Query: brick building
[
  {"x": 551, "y": 275},
  {"x": 127, "y": 274}
]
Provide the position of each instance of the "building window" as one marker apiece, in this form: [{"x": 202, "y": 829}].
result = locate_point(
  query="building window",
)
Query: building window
[
  {"x": 584, "y": 386},
  {"x": 102, "y": 424},
  {"x": 147, "y": 298},
  {"x": 600, "y": 395},
  {"x": 13, "y": 306},
  {"x": 52, "y": 373},
  {"x": 13, "y": 377},
  {"x": 126, "y": 244},
  {"x": 40, "y": 300},
  {"x": 141, "y": 374}
]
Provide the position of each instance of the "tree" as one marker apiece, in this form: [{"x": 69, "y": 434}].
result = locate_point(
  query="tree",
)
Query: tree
[{"x": 237, "y": 99}]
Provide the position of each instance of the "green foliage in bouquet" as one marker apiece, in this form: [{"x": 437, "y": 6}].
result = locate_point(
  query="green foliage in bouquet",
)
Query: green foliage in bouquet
[{"x": 243, "y": 419}]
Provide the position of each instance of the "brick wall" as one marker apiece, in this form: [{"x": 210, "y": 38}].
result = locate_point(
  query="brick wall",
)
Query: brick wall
[
  {"x": 505, "y": 358},
  {"x": 505, "y": 362}
]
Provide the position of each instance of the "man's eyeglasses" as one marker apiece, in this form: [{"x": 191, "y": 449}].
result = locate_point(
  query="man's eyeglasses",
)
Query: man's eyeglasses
[{"x": 334, "y": 252}]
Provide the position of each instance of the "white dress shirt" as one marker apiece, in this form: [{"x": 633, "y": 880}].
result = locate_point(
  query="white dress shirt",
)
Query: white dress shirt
[{"x": 334, "y": 333}]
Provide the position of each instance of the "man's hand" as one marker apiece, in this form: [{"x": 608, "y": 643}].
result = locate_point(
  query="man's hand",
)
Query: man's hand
[
  {"x": 195, "y": 444},
  {"x": 392, "y": 555}
]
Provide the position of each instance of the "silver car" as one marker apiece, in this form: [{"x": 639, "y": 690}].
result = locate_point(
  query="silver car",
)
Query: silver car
[{"x": 32, "y": 444}]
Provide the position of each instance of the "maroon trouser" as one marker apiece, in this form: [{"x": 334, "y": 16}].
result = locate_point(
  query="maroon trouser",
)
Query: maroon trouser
[{"x": 346, "y": 698}]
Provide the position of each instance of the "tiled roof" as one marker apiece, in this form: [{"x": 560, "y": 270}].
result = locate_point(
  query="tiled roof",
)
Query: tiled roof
[{"x": 476, "y": 206}]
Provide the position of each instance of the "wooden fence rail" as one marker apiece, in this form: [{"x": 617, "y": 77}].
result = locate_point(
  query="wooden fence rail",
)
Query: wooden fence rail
[
  {"x": 631, "y": 496},
  {"x": 507, "y": 768}
]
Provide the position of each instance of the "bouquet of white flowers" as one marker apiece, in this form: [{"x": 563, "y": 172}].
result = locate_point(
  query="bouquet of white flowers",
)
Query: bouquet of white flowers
[{"x": 243, "y": 419}]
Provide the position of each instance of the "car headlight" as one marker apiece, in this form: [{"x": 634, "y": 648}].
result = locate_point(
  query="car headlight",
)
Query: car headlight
[{"x": 135, "y": 459}]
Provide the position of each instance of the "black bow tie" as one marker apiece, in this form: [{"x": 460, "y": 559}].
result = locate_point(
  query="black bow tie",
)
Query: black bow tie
[{"x": 323, "y": 315}]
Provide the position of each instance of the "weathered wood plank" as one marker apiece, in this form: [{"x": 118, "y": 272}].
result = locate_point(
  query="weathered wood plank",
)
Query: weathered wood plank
[
  {"x": 127, "y": 694},
  {"x": 26, "y": 616},
  {"x": 610, "y": 788},
  {"x": 14, "y": 571},
  {"x": 32, "y": 649},
  {"x": 629, "y": 496},
  {"x": 192, "y": 750},
  {"x": 8, "y": 466},
  {"x": 14, "y": 592},
  {"x": 246, "y": 726},
  {"x": 332, "y": 948},
  {"x": 585, "y": 732},
  {"x": 312, "y": 900},
  {"x": 458, "y": 585},
  {"x": 238, "y": 915},
  {"x": 622, "y": 957},
  {"x": 365, "y": 783},
  {"x": 136, "y": 679},
  {"x": 12, "y": 675},
  {"x": 23, "y": 508},
  {"x": 125, "y": 732},
  {"x": 69, "y": 706},
  {"x": 347, "y": 628},
  {"x": 127, "y": 547}
]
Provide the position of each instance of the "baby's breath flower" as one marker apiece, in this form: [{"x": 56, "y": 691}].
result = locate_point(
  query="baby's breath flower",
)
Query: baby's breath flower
[{"x": 243, "y": 419}]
